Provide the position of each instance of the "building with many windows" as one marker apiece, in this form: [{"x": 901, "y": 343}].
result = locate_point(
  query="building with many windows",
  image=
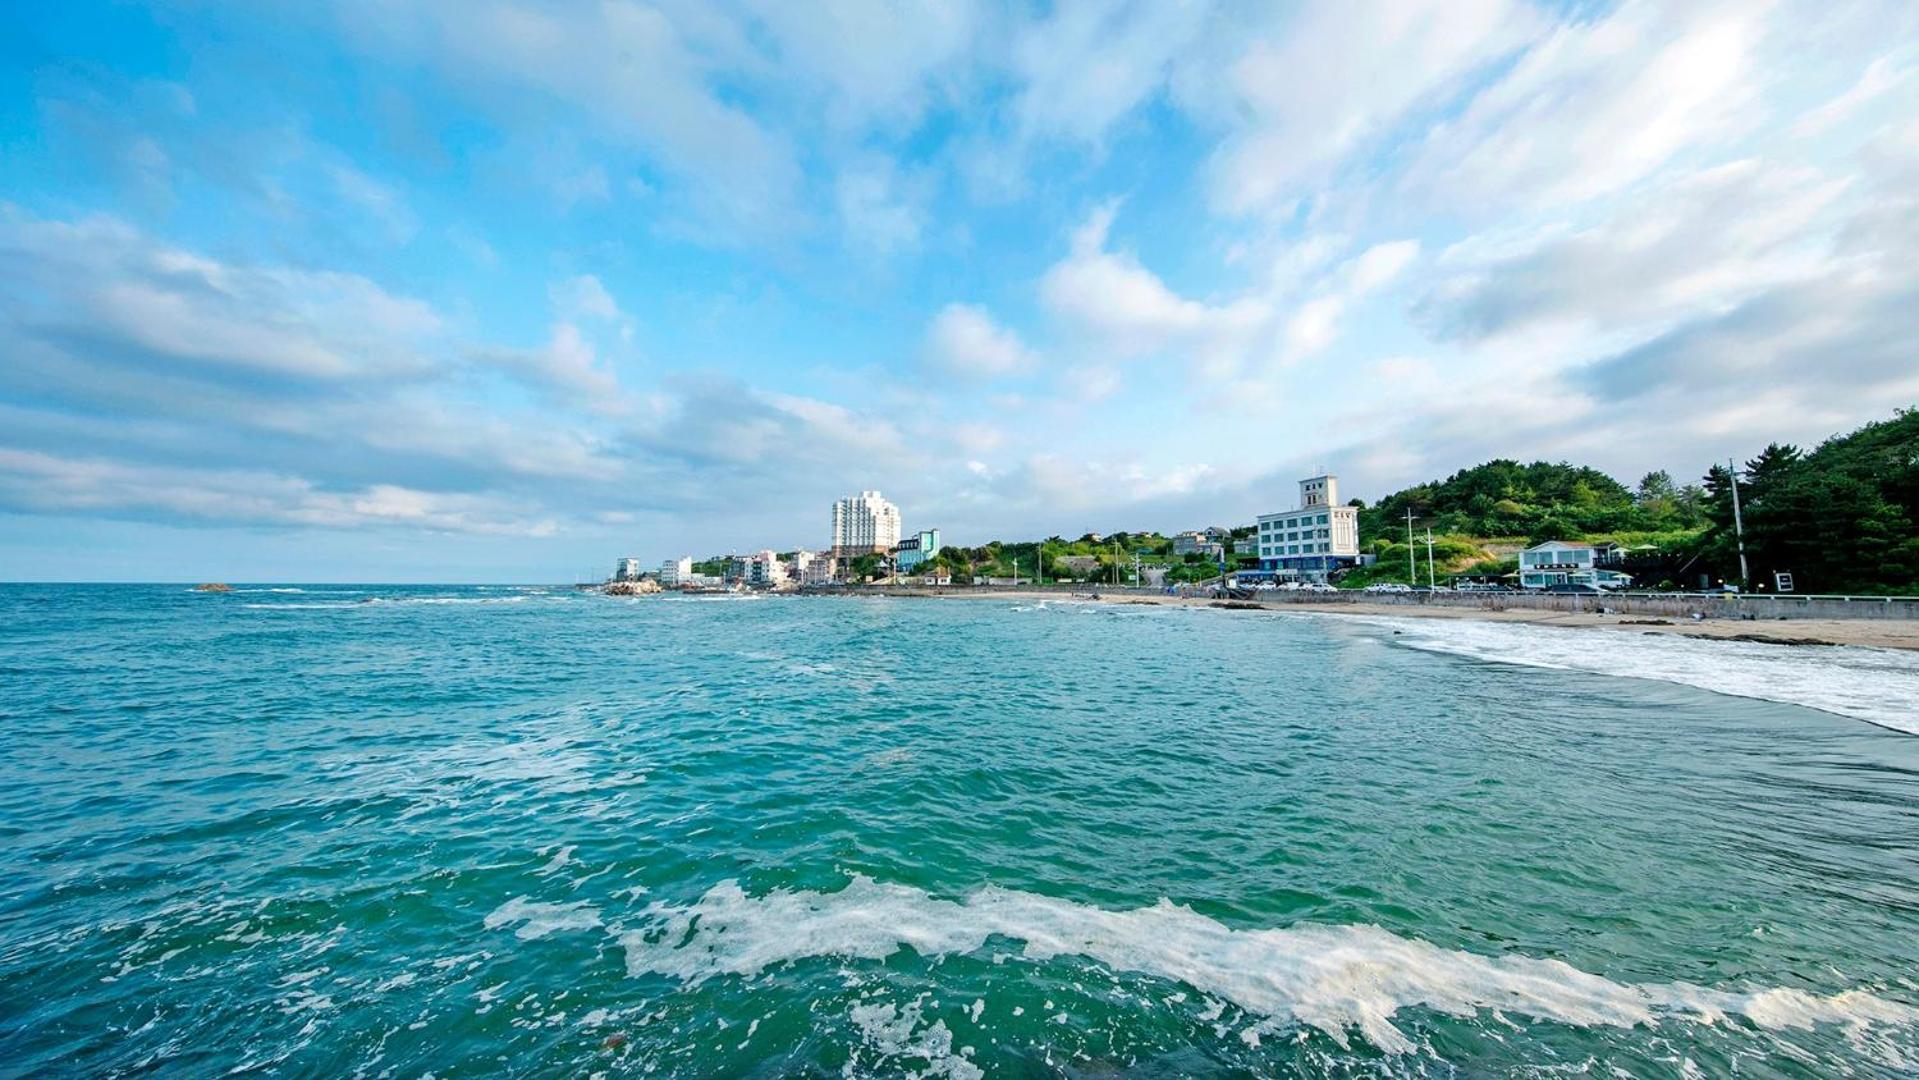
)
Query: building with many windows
[
  {"x": 677, "y": 572},
  {"x": 864, "y": 524},
  {"x": 1312, "y": 540},
  {"x": 765, "y": 570},
  {"x": 626, "y": 570},
  {"x": 916, "y": 549},
  {"x": 812, "y": 568},
  {"x": 1566, "y": 562}
]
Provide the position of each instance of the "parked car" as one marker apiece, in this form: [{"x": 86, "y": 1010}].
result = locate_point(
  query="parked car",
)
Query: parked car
[
  {"x": 1388, "y": 587},
  {"x": 1576, "y": 589}
]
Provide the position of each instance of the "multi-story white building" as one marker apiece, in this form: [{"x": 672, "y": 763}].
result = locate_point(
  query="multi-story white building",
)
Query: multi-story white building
[
  {"x": 1313, "y": 540},
  {"x": 812, "y": 568},
  {"x": 626, "y": 570},
  {"x": 864, "y": 524},
  {"x": 765, "y": 570},
  {"x": 677, "y": 572},
  {"x": 1562, "y": 562}
]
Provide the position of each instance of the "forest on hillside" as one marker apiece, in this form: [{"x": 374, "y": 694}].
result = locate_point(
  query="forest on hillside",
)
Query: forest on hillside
[{"x": 1838, "y": 518}]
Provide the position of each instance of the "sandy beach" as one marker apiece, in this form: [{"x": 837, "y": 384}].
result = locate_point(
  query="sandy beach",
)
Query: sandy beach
[{"x": 1867, "y": 633}]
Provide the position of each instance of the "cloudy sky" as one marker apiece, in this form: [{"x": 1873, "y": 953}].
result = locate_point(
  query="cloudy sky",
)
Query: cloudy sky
[{"x": 503, "y": 289}]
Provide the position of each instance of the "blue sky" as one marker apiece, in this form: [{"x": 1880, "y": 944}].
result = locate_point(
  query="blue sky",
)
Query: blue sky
[{"x": 498, "y": 290}]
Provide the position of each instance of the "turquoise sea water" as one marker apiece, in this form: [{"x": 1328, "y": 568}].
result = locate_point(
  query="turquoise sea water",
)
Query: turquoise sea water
[{"x": 482, "y": 831}]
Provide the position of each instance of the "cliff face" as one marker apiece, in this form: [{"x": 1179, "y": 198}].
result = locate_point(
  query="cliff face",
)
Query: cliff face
[{"x": 632, "y": 588}]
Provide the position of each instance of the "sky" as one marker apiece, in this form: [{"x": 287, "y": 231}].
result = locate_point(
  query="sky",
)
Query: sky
[{"x": 502, "y": 290}]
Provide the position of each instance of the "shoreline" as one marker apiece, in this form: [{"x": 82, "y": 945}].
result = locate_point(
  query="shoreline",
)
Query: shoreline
[{"x": 1902, "y": 634}]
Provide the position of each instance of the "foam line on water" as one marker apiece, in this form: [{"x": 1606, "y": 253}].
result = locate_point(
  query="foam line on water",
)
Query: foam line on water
[
  {"x": 1880, "y": 686},
  {"x": 1334, "y": 978}
]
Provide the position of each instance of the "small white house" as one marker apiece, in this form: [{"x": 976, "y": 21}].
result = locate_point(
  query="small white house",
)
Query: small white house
[{"x": 1566, "y": 562}]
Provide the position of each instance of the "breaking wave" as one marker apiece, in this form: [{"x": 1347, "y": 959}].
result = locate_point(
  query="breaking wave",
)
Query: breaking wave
[
  {"x": 1336, "y": 979},
  {"x": 1880, "y": 686}
]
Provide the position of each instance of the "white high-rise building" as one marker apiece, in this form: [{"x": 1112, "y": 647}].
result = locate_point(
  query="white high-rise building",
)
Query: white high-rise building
[
  {"x": 674, "y": 572},
  {"x": 863, "y": 524}
]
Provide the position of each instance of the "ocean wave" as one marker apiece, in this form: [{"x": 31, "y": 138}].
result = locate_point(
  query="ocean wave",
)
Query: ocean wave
[
  {"x": 537, "y": 920},
  {"x": 1336, "y": 979},
  {"x": 1879, "y": 686}
]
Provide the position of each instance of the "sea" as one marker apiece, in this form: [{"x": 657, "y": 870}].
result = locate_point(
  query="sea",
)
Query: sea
[{"x": 410, "y": 831}]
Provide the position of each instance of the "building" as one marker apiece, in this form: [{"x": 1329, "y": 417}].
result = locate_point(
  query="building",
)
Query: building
[
  {"x": 916, "y": 549},
  {"x": 812, "y": 568},
  {"x": 1564, "y": 562},
  {"x": 864, "y": 524},
  {"x": 1085, "y": 566},
  {"x": 626, "y": 570},
  {"x": 677, "y": 572},
  {"x": 765, "y": 570},
  {"x": 1198, "y": 543},
  {"x": 1312, "y": 540}
]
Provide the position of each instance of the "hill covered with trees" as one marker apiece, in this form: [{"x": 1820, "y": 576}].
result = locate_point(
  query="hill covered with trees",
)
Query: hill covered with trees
[{"x": 1839, "y": 518}]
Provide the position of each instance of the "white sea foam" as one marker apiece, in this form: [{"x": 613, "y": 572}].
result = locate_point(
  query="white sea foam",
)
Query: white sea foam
[
  {"x": 1334, "y": 978},
  {"x": 1880, "y": 686},
  {"x": 538, "y": 920}
]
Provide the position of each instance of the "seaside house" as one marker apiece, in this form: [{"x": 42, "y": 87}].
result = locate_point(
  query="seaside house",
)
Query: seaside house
[
  {"x": 916, "y": 549},
  {"x": 1312, "y": 540},
  {"x": 626, "y": 570},
  {"x": 677, "y": 572},
  {"x": 1568, "y": 562},
  {"x": 765, "y": 570},
  {"x": 812, "y": 568},
  {"x": 1198, "y": 543}
]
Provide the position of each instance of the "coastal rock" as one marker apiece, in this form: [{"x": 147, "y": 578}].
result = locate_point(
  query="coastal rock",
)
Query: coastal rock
[
  {"x": 632, "y": 588},
  {"x": 213, "y": 586}
]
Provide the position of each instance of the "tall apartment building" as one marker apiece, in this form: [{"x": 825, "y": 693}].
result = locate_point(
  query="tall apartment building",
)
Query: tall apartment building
[
  {"x": 1314, "y": 539},
  {"x": 676, "y": 572},
  {"x": 863, "y": 524},
  {"x": 626, "y": 570}
]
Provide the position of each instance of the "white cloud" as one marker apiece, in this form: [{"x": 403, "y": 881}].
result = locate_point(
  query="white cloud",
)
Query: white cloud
[
  {"x": 1693, "y": 244},
  {"x": 102, "y": 276},
  {"x": 55, "y": 484},
  {"x": 965, "y": 340},
  {"x": 1883, "y": 76},
  {"x": 642, "y": 78},
  {"x": 584, "y": 296},
  {"x": 568, "y": 367},
  {"x": 878, "y": 209},
  {"x": 1132, "y": 312},
  {"x": 1597, "y": 105},
  {"x": 1336, "y": 79}
]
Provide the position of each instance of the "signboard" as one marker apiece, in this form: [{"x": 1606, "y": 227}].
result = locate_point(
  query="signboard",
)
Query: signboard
[{"x": 1782, "y": 581}]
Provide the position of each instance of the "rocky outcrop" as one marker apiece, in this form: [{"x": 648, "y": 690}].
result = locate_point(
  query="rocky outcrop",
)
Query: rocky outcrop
[
  {"x": 632, "y": 588},
  {"x": 213, "y": 586}
]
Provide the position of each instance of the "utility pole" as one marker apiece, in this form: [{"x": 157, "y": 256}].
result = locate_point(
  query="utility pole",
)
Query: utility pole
[
  {"x": 1432, "y": 580},
  {"x": 1412, "y": 567},
  {"x": 1039, "y": 565},
  {"x": 1738, "y": 524}
]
